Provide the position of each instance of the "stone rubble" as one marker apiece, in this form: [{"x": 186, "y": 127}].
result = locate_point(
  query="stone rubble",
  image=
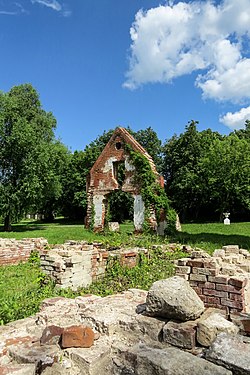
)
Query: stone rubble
[
  {"x": 122, "y": 339},
  {"x": 174, "y": 298}
]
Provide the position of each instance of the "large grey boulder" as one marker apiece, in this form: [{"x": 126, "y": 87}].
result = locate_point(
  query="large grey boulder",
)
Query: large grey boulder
[
  {"x": 173, "y": 298},
  {"x": 144, "y": 360},
  {"x": 232, "y": 352},
  {"x": 210, "y": 326}
]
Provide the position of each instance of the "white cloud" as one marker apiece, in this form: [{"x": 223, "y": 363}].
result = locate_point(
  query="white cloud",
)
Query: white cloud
[
  {"x": 180, "y": 38},
  {"x": 236, "y": 120},
  {"x": 53, "y": 4}
]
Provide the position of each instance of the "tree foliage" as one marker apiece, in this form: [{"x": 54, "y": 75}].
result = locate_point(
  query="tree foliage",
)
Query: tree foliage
[
  {"x": 207, "y": 173},
  {"x": 26, "y": 136}
]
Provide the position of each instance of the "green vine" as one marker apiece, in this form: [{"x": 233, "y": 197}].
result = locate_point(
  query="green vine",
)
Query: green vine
[{"x": 145, "y": 180}]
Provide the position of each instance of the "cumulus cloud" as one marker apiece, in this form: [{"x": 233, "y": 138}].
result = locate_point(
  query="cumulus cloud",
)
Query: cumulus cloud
[
  {"x": 236, "y": 120},
  {"x": 211, "y": 39}
]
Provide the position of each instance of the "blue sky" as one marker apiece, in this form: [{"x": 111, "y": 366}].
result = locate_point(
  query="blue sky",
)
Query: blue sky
[{"x": 98, "y": 64}]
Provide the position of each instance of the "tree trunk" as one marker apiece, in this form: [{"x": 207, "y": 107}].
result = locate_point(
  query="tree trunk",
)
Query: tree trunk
[{"x": 7, "y": 224}]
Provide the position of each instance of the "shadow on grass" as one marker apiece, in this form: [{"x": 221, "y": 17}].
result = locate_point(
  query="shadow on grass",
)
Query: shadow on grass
[
  {"x": 41, "y": 225},
  {"x": 24, "y": 228},
  {"x": 214, "y": 239}
]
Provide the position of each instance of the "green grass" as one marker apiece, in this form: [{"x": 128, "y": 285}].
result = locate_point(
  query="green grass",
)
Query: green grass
[
  {"x": 22, "y": 295},
  {"x": 211, "y": 236},
  {"x": 207, "y": 236},
  {"x": 26, "y": 287}
]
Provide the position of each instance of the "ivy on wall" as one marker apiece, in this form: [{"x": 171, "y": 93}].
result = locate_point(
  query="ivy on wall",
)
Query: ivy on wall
[{"x": 145, "y": 180}]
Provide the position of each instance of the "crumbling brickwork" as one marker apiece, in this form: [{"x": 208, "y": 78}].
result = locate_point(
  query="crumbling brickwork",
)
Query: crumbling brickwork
[
  {"x": 221, "y": 281},
  {"x": 78, "y": 264},
  {"x": 103, "y": 180},
  {"x": 14, "y": 251}
]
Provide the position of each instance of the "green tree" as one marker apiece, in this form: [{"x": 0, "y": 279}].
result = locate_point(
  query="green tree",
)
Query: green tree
[
  {"x": 226, "y": 167},
  {"x": 58, "y": 159},
  {"x": 183, "y": 172},
  {"x": 26, "y": 133}
]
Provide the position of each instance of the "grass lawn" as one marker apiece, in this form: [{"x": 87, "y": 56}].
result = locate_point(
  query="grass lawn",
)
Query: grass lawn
[
  {"x": 211, "y": 236},
  {"x": 207, "y": 236}
]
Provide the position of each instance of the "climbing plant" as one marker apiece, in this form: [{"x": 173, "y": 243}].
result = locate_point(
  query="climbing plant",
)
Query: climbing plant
[{"x": 145, "y": 180}]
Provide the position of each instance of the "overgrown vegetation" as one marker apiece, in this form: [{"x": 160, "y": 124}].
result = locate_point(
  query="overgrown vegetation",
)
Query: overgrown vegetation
[
  {"x": 153, "y": 195},
  {"x": 27, "y": 286},
  {"x": 23, "y": 287}
]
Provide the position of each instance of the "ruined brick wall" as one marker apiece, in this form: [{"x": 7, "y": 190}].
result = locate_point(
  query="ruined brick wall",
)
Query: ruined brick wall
[
  {"x": 14, "y": 251},
  {"x": 78, "y": 264},
  {"x": 103, "y": 180},
  {"x": 221, "y": 281}
]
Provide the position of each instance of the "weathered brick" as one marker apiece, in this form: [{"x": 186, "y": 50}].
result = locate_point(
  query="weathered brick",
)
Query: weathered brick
[
  {"x": 229, "y": 288},
  {"x": 221, "y": 279},
  {"x": 183, "y": 262},
  {"x": 215, "y": 293},
  {"x": 194, "y": 277},
  {"x": 182, "y": 270},
  {"x": 239, "y": 282},
  {"x": 207, "y": 285},
  {"x": 211, "y": 263},
  {"x": 230, "y": 303},
  {"x": 195, "y": 263},
  {"x": 205, "y": 271},
  {"x": 77, "y": 336},
  {"x": 215, "y": 301},
  {"x": 235, "y": 297},
  {"x": 227, "y": 270},
  {"x": 182, "y": 335}
]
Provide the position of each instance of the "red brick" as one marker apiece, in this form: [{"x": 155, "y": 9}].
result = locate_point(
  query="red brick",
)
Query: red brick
[
  {"x": 238, "y": 282},
  {"x": 235, "y": 297},
  {"x": 229, "y": 288},
  {"x": 215, "y": 293},
  {"x": 221, "y": 279},
  {"x": 77, "y": 337},
  {"x": 206, "y": 285},
  {"x": 182, "y": 270},
  {"x": 210, "y": 263},
  {"x": 233, "y": 304},
  {"x": 213, "y": 300},
  {"x": 195, "y": 263}
]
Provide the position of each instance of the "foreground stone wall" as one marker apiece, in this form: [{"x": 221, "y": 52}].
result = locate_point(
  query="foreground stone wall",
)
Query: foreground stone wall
[
  {"x": 221, "y": 281},
  {"x": 118, "y": 335},
  {"x": 77, "y": 264},
  {"x": 14, "y": 251}
]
